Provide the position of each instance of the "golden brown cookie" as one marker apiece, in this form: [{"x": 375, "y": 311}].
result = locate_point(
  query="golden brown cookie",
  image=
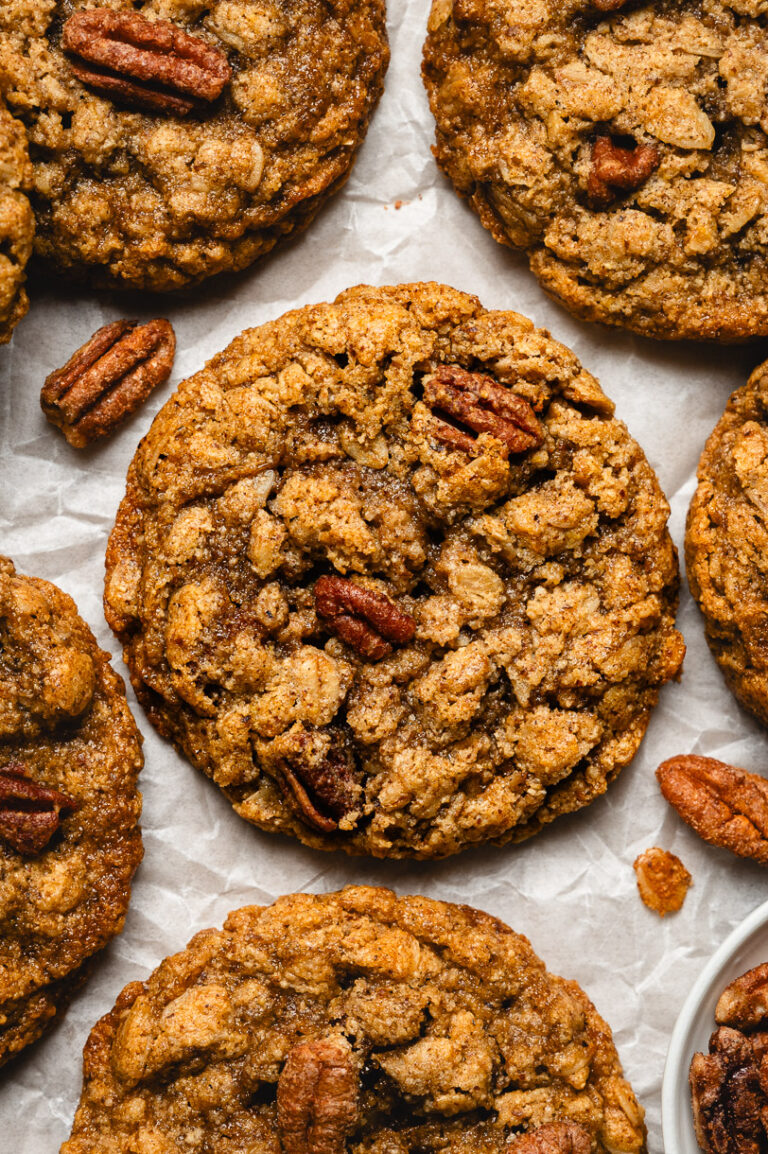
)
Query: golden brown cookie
[
  {"x": 70, "y": 755},
  {"x": 161, "y": 183},
  {"x": 726, "y": 542},
  {"x": 622, "y": 146},
  {"x": 390, "y": 572},
  {"x": 16, "y": 222},
  {"x": 355, "y": 1021}
]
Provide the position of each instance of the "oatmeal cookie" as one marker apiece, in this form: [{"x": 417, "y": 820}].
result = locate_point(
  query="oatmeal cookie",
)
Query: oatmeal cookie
[
  {"x": 726, "y": 542},
  {"x": 70, "y": 754},
  {"x": 355, "y": 1021},
  {"x": 390, "y": 572},
  {"x": 622, "y": 146},
  {"x": 16, "y": 223},
  {"x": 158, "y": 199}
]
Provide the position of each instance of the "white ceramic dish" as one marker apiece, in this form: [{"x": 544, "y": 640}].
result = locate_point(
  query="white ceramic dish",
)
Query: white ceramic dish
[{"x": 747, "y": 946}]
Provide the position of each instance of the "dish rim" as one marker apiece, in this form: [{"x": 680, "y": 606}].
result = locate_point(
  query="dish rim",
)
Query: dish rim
[{"x": 722, "y": 967}]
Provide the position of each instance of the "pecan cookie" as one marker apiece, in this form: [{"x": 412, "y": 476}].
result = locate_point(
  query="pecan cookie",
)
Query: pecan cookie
[
  {"x": 355, "y": 1021},
  {"x": 175, "y": 139},
  {"x": 622, "y": 146},
  {"x": 70, "y": 754},
  {"x": 726, "y": 542},
  {"x": 16, "y": 222},
  {"x": 390, "y": 572}
]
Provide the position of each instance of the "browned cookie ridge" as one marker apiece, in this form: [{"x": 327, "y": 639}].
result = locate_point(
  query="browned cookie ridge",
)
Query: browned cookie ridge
[
  {"x": 623, "y": 146},
  {"x": 176, "y": 139},
  {"x": 391, "y": 573},
  {"x": 70, "y": 755},
  {"x": 357, "y": 1022},
  {"x": 726, "y": 542},
  {"x": 16, "y": 222}
]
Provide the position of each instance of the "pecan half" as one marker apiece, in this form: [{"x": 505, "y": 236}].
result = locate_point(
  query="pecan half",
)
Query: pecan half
[
  {"x": 727, "y": 807},
  {"x": 150, "y": 64},
  {"x": 29, "y": 813},
  {"x": 108, "y": 378},
  {"x": 662, "y": 880},
  {"x": 744, "y": 1004},
  {"x": 367, "y": 621},
  {"x": 317, "y": 1097},
  {"x": 726, "y": 1096},
  {"x": 324, "y": 790},
  {"x": 554, "y": 1138},
  {"x": 477, "y": 401},
  {"x": 615, "y": 169}
]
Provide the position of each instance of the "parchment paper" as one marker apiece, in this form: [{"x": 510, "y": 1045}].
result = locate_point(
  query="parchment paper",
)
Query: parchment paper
[{"x": 571, "y": 890}]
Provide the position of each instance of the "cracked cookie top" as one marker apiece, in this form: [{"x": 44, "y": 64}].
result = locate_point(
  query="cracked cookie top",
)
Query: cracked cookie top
[
  {"x": 391, "y": 573},
  {"x": 355, "y": 1021},
  {"x": 726, "y": 542},
  {"x": 16, "y": 222},
  {"x": 70, "y": 755},
  {"x": 622, "y": 146},
  {"x": 157, "y": 198}
]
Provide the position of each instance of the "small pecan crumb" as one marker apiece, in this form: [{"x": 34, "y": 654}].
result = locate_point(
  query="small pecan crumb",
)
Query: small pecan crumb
[
  {"x": 148, "y": 64},
  {"x": 478, "y": 402},
  {"x": 554, "y": 1138},
  {"x": 662, "y": 879},
  {"x": 726, "y": 806},
  {"x": 108, "y": 378},
  {"x": 323, "y": 789},
  {"x": 29, "y": 813},
  {"x": 615, "y": 169},
  {"x": 317, "y": 1096},
  {"x": 366, "y": 620}
]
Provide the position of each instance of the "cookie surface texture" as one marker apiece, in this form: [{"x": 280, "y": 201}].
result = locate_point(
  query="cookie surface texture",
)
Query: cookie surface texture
[
  {"x": 624, "y": 151},
  {"x": 70, "y": 755},
  {"x": 383, "y": 1023},
  {"x": 726, "y": 543},
  {"x": 17, "y": 224},
  {"x": 158, "y": 200},
  {"x": 375, "y": 628}
]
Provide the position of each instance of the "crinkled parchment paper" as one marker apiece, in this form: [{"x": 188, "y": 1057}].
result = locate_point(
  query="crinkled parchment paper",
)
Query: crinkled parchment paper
[{"x": 571, "y": 890}]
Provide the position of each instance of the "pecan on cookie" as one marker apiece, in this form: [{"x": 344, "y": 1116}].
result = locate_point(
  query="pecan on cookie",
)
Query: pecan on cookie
[{"x": 150, "y": 64}]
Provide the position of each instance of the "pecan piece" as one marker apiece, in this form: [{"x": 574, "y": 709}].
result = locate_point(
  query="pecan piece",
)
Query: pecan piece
[
  {"x": 149, "y": 64},
  {"x": 616, "y": 169},
  {"x": 29, "y": 813},
  {"x": 366, "y": 620},
  {"x": 608, "y": 5},
  {"x": 317, "y": 1097},
  {"x": 108, "y": 378},
  {"x": 744, "y": 1003},
  {"x": 554, "y": 1138},
  {"x": 728, "y": 1102},
  {"x": 727, "y": 807},
  {"x": 662, "y": 880},
  {"x": 477, "y": 401},
  {"x": 323, "y": 789}
]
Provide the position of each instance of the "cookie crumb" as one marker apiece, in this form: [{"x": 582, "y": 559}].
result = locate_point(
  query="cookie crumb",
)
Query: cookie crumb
[{"x": 662, "y": 880}]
